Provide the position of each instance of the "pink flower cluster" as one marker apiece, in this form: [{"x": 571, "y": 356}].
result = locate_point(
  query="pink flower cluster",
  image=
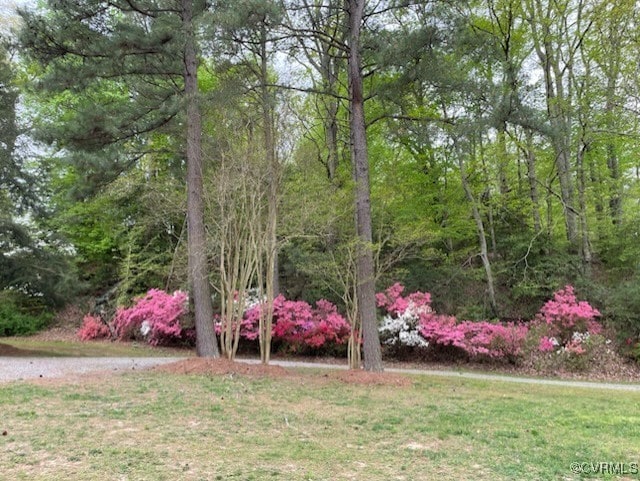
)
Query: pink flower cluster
[
  {"x": 566, "y": 323},
  {"x": 155, "y": 317},
  {"x": 93, "y": 328},
  {"x": 564, "y": 314},
  {"x": 392, "y": 301},
  {"x": 298, "y": 324},
  {"x": 476, "y": 339},
  {"x": 547, "y": 344}
]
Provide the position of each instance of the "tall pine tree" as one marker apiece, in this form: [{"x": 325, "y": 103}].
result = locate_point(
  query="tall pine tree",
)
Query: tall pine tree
[{"x": 132, "y": 67}]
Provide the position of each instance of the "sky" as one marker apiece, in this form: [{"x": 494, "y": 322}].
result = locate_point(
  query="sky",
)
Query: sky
[{"x": 8, "y": 16}]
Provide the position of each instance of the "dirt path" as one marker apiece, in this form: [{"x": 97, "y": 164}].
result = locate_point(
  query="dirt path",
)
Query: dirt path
[{"x": 22, "y": 368}]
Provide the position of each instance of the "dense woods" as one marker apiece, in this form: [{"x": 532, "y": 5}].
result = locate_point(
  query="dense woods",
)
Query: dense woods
[{"x": 484, "y": 151}]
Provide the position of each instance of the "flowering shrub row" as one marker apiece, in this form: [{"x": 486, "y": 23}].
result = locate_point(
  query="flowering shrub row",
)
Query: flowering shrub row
[
  {"x": 156, "y": 316},
  {"x": 563, "y": 324},
  {"x": 297, "y": 324},
  {"x": 411, "y": 321}
]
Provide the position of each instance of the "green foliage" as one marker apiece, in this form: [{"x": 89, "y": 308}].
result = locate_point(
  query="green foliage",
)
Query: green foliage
[
  {"x": 621, "y": 309},
  {"x": 33, "y": 260},
  {"x": 21, "y": 315}
]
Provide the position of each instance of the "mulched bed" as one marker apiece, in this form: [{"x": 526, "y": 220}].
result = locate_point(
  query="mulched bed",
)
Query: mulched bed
[{"x": 222, "y": 367}]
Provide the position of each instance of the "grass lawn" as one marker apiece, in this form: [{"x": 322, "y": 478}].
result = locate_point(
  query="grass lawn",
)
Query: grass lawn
[{"x": 158, "y": 426}]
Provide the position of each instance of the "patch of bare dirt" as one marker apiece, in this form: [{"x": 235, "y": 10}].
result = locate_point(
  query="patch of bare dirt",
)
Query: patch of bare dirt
[
  {"x": 57, "y": 333},
  {"x": 222, "y": 367},
  {"x": 66, "y": 323},
  {"x": 367, "y": 378}
]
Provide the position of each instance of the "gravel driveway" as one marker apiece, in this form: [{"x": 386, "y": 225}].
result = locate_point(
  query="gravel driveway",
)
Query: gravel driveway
[{"x": 17, "y": 368}]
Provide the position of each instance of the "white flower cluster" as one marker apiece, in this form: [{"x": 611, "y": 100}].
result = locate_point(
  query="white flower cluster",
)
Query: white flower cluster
[
  {"x": 145, "y": 328},
  {"x": 253, "y": 298},
  {"x": 402, "y": 330},
  {"x": 580, "y": 337}
]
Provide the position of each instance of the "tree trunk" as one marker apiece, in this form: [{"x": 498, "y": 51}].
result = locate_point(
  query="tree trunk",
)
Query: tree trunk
[
  {"x": 272, "y": 285},
  {"x": 360, "y": 160},
  {"x": 533, "y": 182},
  {"x": 613, "y": 164},
  {"x": 503, "y": 159},
  {"x": 555, "y": 68},
  {"x": 586, "y": 253},
  {"x": 206, "y": 344},
  {"x": 482, "y": 238}
]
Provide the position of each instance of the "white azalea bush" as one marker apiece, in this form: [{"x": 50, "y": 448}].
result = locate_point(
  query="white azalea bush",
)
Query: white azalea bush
[
  {"x": 400, "y": 326},
  {"x": 402, "y": 330}
]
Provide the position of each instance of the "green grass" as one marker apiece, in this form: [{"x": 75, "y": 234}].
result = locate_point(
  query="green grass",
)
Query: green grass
[
  {"x": 152, "y": 426},
  {"x": 45, "y": 348}
]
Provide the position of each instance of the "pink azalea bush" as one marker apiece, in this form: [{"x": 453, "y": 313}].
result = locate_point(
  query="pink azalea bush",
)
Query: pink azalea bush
[
  {"x": 155, "y": 317},
  {"x": 411, "y": 321},
  {"x": 565, "y": 324},
  {"x": 564, "y": 314},
  {"x": 297, "y": 324},
  {"x": 93, "y": 328},
  {"x": 547, "y": 344},
  {"x": 475, "y": 338}
]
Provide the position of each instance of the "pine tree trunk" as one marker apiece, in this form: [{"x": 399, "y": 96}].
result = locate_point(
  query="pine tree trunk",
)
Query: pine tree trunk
[
  {"x": 360, "y": 160},
  {"x": 206, "y": 344}
]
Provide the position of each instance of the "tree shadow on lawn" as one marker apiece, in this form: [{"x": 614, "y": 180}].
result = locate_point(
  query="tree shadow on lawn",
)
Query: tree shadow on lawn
[{"x": 6, "y": 350}]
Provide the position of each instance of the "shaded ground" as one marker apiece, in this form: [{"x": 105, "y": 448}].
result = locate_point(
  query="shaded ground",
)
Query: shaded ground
[{"x": 10, "y": 351}]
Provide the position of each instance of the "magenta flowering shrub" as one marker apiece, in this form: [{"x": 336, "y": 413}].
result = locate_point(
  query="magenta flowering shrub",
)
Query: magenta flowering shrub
[
  {"x": 93, "y": 328},
  {"x": 410, "y": 321},
  {"x": 330, "y": 327},
  {"x": 547, "y": 344},
  {"x": 391, "y": 300},
  {"x": 566, "y": 324},
  {"x": 564, "y": 314},
  {"x": 155, "y": 317},
  {"x": 476, "y": 339},
  {"x": 298, "y": 325}
]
